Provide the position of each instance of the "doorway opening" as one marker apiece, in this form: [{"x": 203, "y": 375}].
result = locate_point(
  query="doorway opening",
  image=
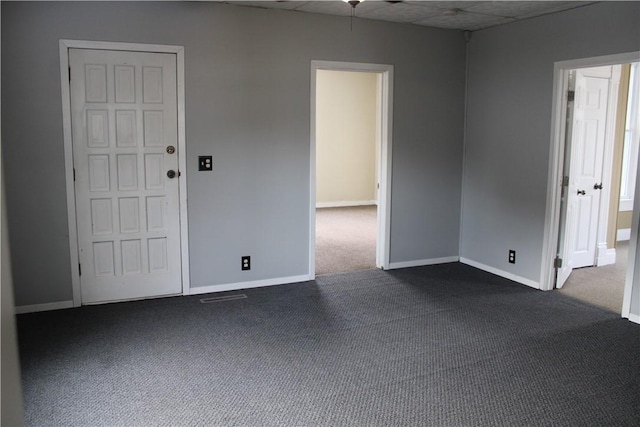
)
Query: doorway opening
[
  {"x": 591, "y": 155},
  {"x": 599, "y": 250},
  {"x": 350, "y": 154}
]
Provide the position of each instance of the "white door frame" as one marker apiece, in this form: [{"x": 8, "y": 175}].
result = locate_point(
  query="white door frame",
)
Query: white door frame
[
  {"x": 384, "y": 192},
  {"x": 556, "y": 159},
  {"x": 64, "y": 47}
]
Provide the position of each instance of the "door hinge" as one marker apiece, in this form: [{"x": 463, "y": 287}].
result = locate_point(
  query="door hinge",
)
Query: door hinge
[
  {"x": 571, "y": 95},
  {"x": 69, "y": 74},
  {"x": 74, "y": 174},
  {"x": 565, "y": 181},
  {"x": 79, "y": 269},
  {"x": 557, "y": 263}
]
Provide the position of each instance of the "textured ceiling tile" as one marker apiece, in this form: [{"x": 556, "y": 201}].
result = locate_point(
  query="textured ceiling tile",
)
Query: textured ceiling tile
[
  {"x": 488, "y": 24},
  {"x": 401, "y": 12},
  {"x": 510, "y": 8},
  {"x": 464, "y": 21},
  {"x": 340, "y": 7},
  {"x": 327, "y": 8},
  {"x": 270, "y": 4},
  {"x": 444, "y": 5},
  {"x": 558, "y": 6},
  {"x": 475, "y": 14}
]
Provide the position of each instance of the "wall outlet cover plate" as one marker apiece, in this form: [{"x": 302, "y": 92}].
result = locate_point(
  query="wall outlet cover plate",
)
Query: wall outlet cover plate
[{"x": 205, "y": 163}]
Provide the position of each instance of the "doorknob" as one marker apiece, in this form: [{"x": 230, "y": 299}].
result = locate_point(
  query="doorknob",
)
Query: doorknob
[
  {"x": 597, "y": 186},
  {"x": 581, "y": 192},
  {"x": 171, "y": 174}
]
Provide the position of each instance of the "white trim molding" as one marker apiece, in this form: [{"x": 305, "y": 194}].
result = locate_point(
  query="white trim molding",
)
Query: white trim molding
[
  {"x": 345, "y": 204},
  {"x": 623, "y": 234},
  {"x": 248, "y": 285},
  {"x": 423, "y": 262},
  {"x": 501, "y": 273},
  {"x": 631, "y": 309},
  {"x": 22, "y": 309},
  {"x": 631, "y": 139},
  {"x": 606, "y": 256},
  {"x": 64, "y": 46}
]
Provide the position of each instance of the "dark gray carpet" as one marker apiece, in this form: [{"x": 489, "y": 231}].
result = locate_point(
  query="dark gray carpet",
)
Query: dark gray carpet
[{"x": 443, "y": 345}]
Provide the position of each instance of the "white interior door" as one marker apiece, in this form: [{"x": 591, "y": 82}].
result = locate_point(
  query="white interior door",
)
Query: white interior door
[
  {"x": 124, "y": 126},
  {"x": 585, "y": 175}
]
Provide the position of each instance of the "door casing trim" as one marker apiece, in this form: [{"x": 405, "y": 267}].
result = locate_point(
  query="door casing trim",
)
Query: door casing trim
[
  {"x": 383, "y": 237},
  {"x": 64, "y": 46}
]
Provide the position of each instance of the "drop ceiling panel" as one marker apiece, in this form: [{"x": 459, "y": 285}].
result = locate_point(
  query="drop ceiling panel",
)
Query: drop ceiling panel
[
  {"x": 400, "y": 12},
  {"x": 340, "y": 7},
  {"x": 509, "y": 8},
  {"x": 289, "y": 5},
  {"x": 444, "y": 5},
  {"x": 459, "y": 15},
  {"x": 466, "y": 21},
  {"x": 557, "y": 6}
]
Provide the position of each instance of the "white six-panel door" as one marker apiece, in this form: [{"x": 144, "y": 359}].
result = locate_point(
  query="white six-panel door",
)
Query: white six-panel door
[
  {"x": 587, "y": 151},
  {"x": 124, "y": 126},
  {"x": 589, "y": 131}
]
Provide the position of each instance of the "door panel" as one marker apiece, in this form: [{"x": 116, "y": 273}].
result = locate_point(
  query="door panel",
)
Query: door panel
[
  {"x": 585, "y": 170},
  {"x": 124, "y": 115}
]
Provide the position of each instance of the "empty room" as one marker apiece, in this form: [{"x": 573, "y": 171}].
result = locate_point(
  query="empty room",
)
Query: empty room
[{"x": 160, "y": 183}]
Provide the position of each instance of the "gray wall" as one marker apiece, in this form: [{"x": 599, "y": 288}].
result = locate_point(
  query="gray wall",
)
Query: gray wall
[
  {"x": 10, "y": 385},
  {"x": 247, "y": 104},
  {"x": 509, "y": 125}
]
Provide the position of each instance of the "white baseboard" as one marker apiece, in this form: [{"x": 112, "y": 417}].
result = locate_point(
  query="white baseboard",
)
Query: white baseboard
[
  {"x": 345, "y": 204},
  {"x": 606, "y": 256},
  {"x": 501, "y": 273},
  {"x": 247, "y": 285},
  {"x": 22, "y": 309},
  {"x": 423, "y": 262},
  {"x": 634, "y": 318},
  {"x": 623, "y": 234}
]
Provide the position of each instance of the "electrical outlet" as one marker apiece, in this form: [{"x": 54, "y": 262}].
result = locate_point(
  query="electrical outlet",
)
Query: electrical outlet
[
  {"x": 512, "y": 256},
  {"x": 205, "y": 163},
  {"x": 246, "y": 263}
]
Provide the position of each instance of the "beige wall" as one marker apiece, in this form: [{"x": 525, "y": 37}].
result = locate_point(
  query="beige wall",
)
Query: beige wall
[
  {"x": 346, "y": 137},
  {"x": 624, "y": 219}
]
